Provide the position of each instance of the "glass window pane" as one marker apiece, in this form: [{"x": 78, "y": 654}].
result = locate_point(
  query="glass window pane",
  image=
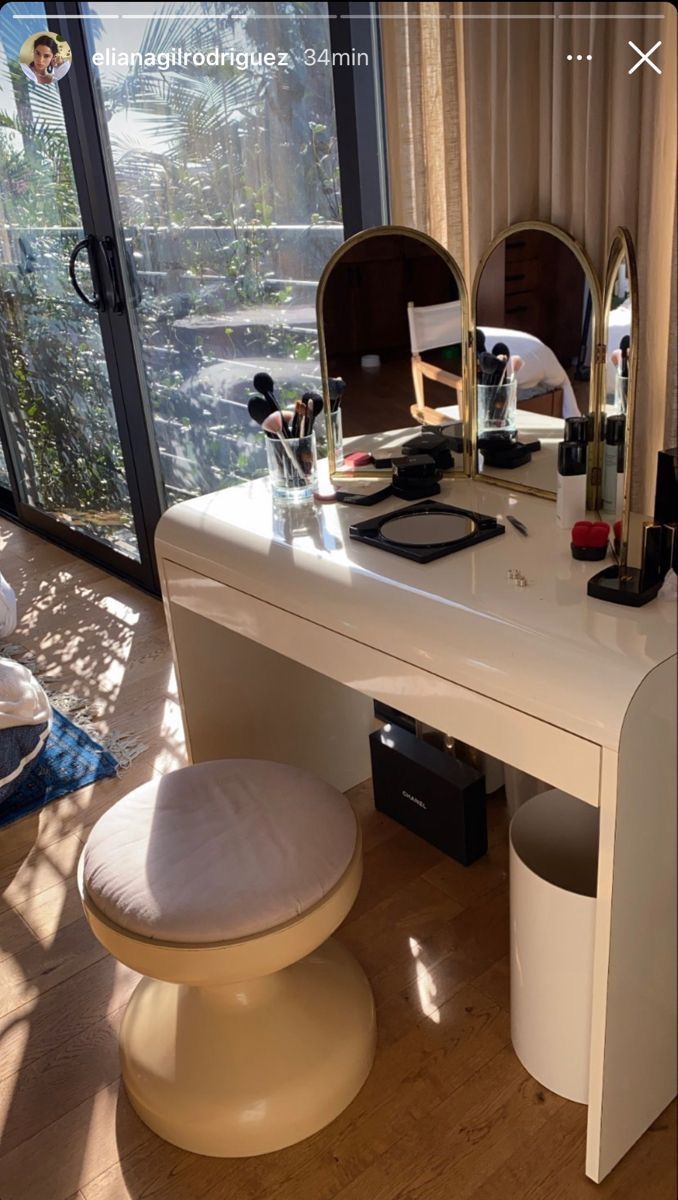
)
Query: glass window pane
[
  {"x": 54, "y": 377},
  {"x": 224, "y": 151}
]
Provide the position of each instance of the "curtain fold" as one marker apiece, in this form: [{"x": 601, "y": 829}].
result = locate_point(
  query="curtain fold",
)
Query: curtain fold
[{"x": 488, "y": 123}]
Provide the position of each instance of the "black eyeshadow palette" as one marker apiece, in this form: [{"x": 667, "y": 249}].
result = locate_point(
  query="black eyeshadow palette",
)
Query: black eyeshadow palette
[{"x": 426, "y": 531}]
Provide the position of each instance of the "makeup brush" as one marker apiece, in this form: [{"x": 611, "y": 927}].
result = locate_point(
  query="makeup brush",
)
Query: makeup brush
[
  {"x": 502, "y": 352},
  {"x": 314, "y": 406},
  {"x": 274, "y": 425},
  {"x": 490, "y": 368},
  {"x": 297, "y": 419},
  {"x": 259, "y": 408},
  {"x": 337, "y": 387},
  {"x": 263, "y": 384}
]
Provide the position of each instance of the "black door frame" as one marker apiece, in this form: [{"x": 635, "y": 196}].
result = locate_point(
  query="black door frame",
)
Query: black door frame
[
  {"x": 126, "y": 383},
  {"x": 358, "y": 110},
  {"x": 359, "y": 104}
]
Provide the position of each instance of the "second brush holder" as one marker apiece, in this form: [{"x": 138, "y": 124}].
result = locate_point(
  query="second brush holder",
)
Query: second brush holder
[
  {"x": 292, "y": 467},
  {"x": 497, "y": 409}
]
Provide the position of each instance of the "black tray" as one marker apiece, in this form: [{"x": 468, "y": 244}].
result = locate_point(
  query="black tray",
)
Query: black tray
[{"x": 372, "y": 532}]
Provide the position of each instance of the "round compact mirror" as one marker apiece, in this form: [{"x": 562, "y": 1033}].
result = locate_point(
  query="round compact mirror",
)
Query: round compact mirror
[{"x": 427, "y": 529}]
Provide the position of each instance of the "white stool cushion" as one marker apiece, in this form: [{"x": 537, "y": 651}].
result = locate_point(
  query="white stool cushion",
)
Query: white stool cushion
[{"x": 218, "y": 851}]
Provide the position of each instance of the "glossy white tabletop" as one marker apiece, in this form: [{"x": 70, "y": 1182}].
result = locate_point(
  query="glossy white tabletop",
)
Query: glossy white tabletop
[{"x": 546, "y": 649}]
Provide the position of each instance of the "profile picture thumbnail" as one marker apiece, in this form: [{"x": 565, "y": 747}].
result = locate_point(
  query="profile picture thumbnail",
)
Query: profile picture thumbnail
[{"x": 45, "y": 57}]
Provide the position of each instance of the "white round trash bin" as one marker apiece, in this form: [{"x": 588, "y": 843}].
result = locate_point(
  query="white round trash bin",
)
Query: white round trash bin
[{"x": 553, "y": 870}]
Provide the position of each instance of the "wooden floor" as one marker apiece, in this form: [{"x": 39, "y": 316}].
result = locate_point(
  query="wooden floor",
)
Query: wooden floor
[{"x": 448, "y": 1112}]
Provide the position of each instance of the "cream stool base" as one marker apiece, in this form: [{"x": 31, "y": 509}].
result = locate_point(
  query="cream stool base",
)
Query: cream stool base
[{"x": 250, "y": 1067}]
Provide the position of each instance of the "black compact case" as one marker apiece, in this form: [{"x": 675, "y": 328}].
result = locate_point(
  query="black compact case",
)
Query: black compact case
[
  {"x": 429, "y": 792},
  {"x": 402, "y": 531}
]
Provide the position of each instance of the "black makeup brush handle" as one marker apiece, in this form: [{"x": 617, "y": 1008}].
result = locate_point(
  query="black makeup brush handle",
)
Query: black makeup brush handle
[{"x": 337, "y": 387}]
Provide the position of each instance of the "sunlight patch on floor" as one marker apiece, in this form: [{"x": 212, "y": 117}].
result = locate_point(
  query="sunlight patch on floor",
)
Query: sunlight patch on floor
[{"x": 425, "y": 984}]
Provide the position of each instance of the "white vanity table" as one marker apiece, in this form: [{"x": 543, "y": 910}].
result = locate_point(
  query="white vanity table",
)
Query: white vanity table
[{"x": 284, "y": 631}]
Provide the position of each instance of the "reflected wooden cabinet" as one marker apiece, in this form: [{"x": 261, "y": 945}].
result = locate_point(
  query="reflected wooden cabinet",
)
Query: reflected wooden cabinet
[
  {"x": 364, "y": 313},
  {"x": 534, "y": 283}
]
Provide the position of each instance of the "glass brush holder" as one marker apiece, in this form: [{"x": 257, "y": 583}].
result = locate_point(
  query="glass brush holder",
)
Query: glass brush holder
[
  {"x": 497, "y": 409},
  {"x": 292, "y": 467}
]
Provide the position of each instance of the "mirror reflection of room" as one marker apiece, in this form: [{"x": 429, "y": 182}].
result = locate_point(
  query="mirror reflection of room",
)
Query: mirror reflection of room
[
  {"x": 533, "y": 343},
  {"x": 617, "y": 385},
  {"x": 392, "y": 319},
  {"x": 618, "y": 343}
]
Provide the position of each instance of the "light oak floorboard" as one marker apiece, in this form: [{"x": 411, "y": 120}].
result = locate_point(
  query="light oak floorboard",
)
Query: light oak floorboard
[
  {"x": 448, "y": 1113},
  {"x": 15, "y": 934},
  {"x": 78, "y": 1069},
  {"x": 496, "y": 983},
  {"x": 44, "y": 866},
  {"x": 51, "y": 910},
  {"x": 39, "y": 1027},
  {"x": 76, "y": 1147}
]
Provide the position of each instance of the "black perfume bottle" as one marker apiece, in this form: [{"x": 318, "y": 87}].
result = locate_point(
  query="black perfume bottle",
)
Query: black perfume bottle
[
  {"x": 666, "y": 508},
  {"x": 666, "y": 494},
  {"x": 637, "y": 586}
]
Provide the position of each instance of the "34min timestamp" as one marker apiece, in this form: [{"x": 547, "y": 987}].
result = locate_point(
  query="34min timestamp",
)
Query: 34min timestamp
[{"x": 335, "y": 58}]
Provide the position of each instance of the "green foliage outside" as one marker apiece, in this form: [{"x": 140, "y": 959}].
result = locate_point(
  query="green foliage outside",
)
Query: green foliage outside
[{"x": 238, "y": 156}]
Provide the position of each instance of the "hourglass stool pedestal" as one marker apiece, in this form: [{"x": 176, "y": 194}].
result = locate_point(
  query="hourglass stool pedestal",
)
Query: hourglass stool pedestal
[{"x": 221, "y": 884}]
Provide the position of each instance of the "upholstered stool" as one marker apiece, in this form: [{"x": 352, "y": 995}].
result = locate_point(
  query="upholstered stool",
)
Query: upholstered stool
[{"x": 222, "y": 883}]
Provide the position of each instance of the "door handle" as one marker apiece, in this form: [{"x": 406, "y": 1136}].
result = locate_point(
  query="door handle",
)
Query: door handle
[
  {"x": 96, "y": 299},
  {"x": 132, "y": 275},
  {"x": 111, "y": 256}
]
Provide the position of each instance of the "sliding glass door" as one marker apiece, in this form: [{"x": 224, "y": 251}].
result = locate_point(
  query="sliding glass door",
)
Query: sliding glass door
[
  {"x": 223, "y": 157},
  {"x": 166, "y": 210},
  {"x": 56, "y": 390}
]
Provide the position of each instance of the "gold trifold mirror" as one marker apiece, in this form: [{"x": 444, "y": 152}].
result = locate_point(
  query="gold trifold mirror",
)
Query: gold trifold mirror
[
  {"x": 543, "y": 354},
  {"x": 393, "y": 337},
  {"x": 535, "y": 360}
]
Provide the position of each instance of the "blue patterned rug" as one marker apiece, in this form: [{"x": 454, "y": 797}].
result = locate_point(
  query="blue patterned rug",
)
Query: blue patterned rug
[{"x": 71, "y": 760}]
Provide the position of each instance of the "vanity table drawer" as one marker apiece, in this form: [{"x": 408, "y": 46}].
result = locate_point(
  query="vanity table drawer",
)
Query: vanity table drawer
[{"x": 534, "y": 746}]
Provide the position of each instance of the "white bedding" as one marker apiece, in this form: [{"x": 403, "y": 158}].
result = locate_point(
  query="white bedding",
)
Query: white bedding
[
  {"x": 540, "y": 366},
  {"x": 22, "y": 700}
]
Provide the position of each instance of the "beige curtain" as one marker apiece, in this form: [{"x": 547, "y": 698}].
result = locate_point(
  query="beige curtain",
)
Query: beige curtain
[{"x": 488, "y": 123}]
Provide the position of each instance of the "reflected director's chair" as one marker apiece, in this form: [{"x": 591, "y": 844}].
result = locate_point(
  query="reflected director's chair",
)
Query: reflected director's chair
[{"x": 432, "y": 327}]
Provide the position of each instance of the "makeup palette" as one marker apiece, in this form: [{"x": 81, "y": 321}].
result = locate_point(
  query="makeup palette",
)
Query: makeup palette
[{"x": 426, "y": 531}]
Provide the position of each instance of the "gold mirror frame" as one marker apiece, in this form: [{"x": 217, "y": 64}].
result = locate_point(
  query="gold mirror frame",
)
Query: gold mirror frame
[
  {"x": 623, "y": 250},
  {"x": 597, "y": 361},
  {"x": 355, "y": 240}
]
